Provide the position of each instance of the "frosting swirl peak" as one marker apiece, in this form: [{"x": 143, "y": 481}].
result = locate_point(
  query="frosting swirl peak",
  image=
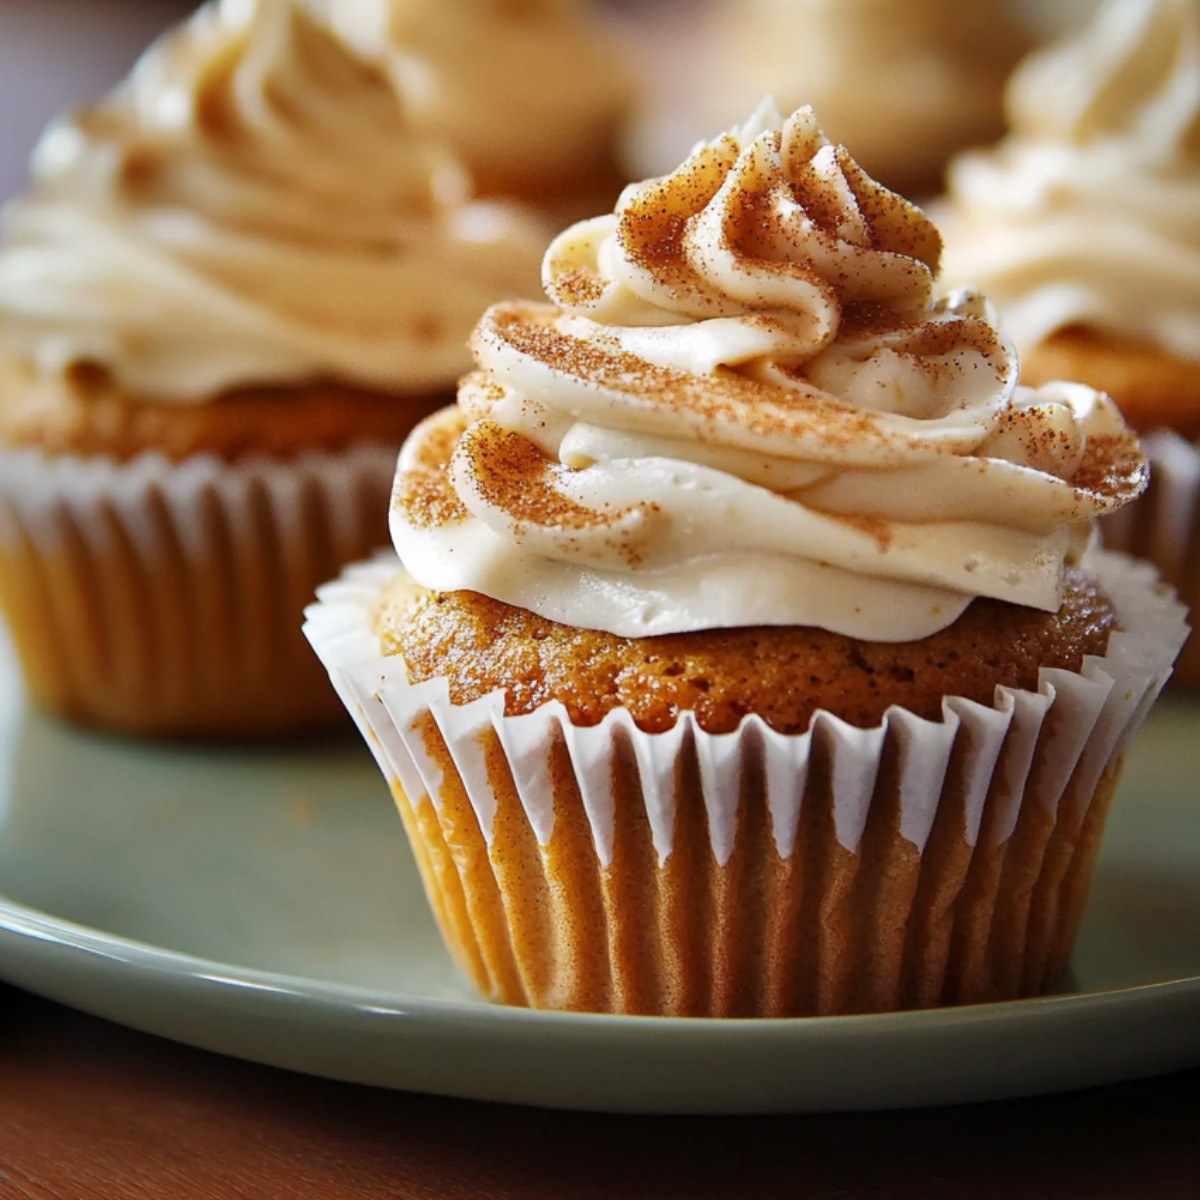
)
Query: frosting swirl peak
[
  {"x": 747, "y": 407},
  {"x": 758, "y": 221}
]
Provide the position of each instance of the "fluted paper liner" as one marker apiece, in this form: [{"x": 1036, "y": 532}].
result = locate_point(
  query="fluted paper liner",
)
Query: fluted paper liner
[
  {"x": 165, "y": 598},
  {"x": 1163, "y": 526},
  {"x": 756, "y": 874}
]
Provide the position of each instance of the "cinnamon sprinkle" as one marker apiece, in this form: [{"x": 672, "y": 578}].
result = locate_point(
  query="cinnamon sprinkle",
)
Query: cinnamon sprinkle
[
  {"x": 578, "y": 288},
  {"x": 876, "y": 528},
  {"x": 424, "y": 492},
  {"x": 1113, "y": 467},
  {"x": 515, "y": 477},
  {"x": 719, "y": 399}
]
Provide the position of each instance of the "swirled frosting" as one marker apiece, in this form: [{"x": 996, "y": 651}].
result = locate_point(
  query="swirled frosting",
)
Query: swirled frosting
[
  {"x": 1089, "y": 212},
  {"x": 528, "y": 92},
  {"x": 252, "y": 207},
  {"x": 745, "y": 406}
]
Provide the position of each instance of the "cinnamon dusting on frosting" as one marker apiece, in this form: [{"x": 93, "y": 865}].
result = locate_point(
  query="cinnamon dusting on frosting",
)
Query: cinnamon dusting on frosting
[
  {"x": 582, "y": 287},
  {"x": 1109, "y": 470},
  {"x": 876, "y": 528},
  {"x": 651, "y": 232},
  {"x": 478, "y": 394},
  {"x": 710, "y": 402},
  {"x": 424, "y": 492},
  {"x": 746, "y": 406},
  {"x": 513, "y": 475}
]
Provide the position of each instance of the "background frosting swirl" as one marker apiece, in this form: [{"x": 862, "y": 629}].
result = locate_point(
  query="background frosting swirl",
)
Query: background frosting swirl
[
  {"x": 747, "y": 408},
  {"x": 1089, "y": 212},
  {"x": 528, "y": 94},
  {"x": 251, "y": 206}
]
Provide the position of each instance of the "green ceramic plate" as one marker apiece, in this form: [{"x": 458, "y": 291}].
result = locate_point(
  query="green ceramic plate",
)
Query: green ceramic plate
[{"x": 264, "y": 904}]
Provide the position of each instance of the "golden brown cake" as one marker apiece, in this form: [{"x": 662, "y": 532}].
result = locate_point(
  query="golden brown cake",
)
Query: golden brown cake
[
  {"x": 233, "y": 287},
  {"x": 748, "y": 657},
  {"x": 1154, "y": 389},
  {"x": 81, "y": 413},
  {"x": 782, "y": 674}
]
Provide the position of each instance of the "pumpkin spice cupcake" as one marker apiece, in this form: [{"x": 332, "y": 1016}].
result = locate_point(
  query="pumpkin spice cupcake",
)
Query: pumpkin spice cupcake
[
  {"x": 232, "y": 289},
  {"x": 1083, "y": 226},
  {"x": 749, "y": 659}
]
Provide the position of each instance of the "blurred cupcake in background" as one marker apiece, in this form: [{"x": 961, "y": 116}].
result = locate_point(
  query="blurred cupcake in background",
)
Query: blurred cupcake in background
[
  {"x": 901, "y": 85},
  {"x": 533, "y": 95},
  {"x": 1083, "y": 225},
  {"x": 232, "y": 288}
]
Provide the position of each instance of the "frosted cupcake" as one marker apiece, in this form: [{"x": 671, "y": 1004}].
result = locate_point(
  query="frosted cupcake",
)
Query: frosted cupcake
[
  {"x": 749, "y": 660},
  {"x": 904, "y": 86},
  {"x": 1083, "y": 226},
  {"x": 532, "y": 96},
  {"x": 232, "y": 289}
]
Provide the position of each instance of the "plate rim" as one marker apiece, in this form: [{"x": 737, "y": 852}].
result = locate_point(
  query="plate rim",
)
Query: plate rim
[
  {"x": 616, "y": 1064},
  {"x": 73, "y": 938},
  {"x": 398, "y": 1039}
]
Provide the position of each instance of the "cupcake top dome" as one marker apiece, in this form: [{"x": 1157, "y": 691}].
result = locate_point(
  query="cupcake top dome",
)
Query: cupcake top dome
[
  {"x": 251, "y": 206},
  {"x": 1088, "y": 213},
  {"x": 746, "y": 405}
]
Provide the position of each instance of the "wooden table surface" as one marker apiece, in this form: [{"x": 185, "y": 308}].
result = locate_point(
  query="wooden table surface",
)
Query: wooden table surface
[{"x": 89, "y": 1111}]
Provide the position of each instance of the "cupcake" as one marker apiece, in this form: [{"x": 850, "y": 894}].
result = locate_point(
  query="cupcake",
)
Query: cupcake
[
  {"x": 749, "y": 657},
  {"x": 904, "y": 86},
  {"x": 532, "y": 96},
  {"x": 1083, "y": 226},
  {"x": 232, "y": 289}
]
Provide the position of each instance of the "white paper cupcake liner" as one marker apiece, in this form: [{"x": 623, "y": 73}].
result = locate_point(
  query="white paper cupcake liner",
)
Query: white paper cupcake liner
[
  {"x": 754, "y": 873},
  {"x": 165, "y": 598},
  {"x": 1163, "y": 526}
]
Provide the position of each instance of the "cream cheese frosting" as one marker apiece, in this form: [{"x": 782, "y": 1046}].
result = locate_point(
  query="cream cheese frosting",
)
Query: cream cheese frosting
[
  {"x": 1088, "y": 213},
  {"x": 528, "y": 92},
  {"x": 746, "y": 406},
  {"x": 252, "y": 206}
]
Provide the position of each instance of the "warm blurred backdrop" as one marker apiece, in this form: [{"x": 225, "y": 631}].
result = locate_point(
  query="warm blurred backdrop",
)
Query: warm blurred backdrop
[{"x": 56, "y": 53}]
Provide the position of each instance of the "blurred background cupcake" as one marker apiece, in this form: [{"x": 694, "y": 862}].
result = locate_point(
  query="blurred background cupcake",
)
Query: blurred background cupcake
[
  {"x": 230, "y": 290},
  {"x": 902, "y": 85},
  {"x": 1083, "y": 225},
  {"x": 533, "y": 95}
]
